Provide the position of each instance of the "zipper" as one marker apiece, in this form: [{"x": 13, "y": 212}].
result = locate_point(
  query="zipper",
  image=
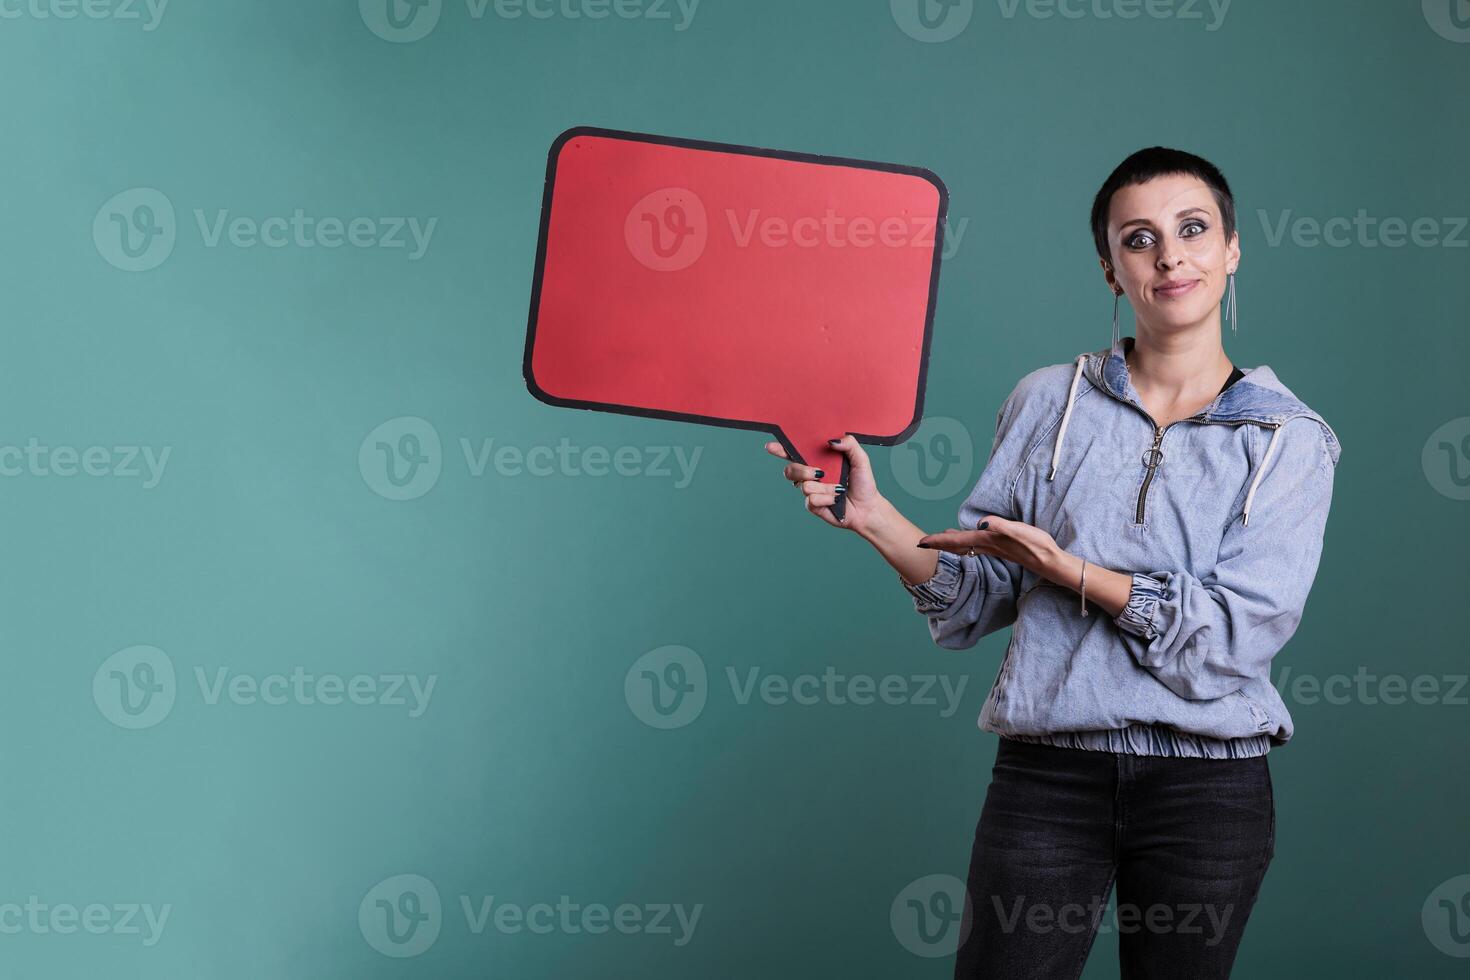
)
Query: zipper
[{"x": 1153, "y": 456}]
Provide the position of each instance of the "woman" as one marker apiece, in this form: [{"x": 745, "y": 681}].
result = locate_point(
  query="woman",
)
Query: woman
[{"x": 1150, "y": 520}]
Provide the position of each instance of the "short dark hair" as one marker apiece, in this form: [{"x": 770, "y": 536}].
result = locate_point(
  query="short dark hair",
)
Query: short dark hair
[{"x": 1158, "y": 161}]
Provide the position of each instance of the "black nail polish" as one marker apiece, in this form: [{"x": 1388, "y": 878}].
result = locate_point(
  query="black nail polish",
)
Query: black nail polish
[
  {"x": 820, "y": 474},
  {"x": 833, "y": 442},
  {"x": 983, "y": 525},
  {"x": 923, "y": 545}
]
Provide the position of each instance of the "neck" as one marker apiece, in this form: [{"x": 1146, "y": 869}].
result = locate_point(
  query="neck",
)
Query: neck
[{"x": 1183, "y": 366}]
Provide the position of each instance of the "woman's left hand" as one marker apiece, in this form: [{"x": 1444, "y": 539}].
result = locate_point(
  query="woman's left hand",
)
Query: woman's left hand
[{"x": 1024, "y": 544}]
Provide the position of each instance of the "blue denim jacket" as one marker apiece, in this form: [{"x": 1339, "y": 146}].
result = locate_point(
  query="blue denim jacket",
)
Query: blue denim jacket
[{"x": 1219, "y": 520}]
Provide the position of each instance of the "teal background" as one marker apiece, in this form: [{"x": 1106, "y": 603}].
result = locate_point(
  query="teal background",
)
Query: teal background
[{"x": 264, "y": 546}]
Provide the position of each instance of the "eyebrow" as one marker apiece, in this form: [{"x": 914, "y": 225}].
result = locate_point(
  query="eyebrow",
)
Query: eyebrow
[{"x": 1144, "y": 221}]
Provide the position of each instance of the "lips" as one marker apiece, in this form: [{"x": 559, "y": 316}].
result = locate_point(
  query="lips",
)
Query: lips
[{"x": 1176, "y": 287}]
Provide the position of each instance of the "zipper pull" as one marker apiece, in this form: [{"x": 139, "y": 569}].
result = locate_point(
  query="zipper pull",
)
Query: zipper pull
[{"x": 1153, "y": 457}]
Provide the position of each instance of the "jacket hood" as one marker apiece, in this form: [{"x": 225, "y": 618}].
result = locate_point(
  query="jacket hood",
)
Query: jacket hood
[{"x": 1259, "y": 396}]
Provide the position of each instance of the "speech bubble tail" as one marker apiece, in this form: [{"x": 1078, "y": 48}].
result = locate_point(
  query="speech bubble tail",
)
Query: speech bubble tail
[{"x": 813, "y": 449}]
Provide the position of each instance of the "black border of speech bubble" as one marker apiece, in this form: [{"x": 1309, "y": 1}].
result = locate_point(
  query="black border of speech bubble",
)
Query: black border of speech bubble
[{"x": 551, "y": 160}]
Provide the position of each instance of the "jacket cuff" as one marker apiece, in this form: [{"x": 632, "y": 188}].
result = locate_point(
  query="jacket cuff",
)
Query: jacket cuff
[
  {"x": 1138, "y": 615},
  {"x": 942, "y": 588}
]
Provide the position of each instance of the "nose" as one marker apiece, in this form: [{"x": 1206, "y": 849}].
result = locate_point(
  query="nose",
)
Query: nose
[{"x": 1171, "y": 255}]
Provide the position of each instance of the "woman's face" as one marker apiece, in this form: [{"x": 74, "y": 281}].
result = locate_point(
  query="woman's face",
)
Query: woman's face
[{"x": 1169, "y": 251}]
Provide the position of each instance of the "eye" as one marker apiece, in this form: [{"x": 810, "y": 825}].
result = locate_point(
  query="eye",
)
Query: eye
[
  {"x": 1194, "y": 223},
  {"x": 1139, "y": 240}
]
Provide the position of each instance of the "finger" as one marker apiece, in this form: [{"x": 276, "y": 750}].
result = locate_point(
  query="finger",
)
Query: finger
[
  {"x": 987, "y": 528},
  {"x": 954, "y": 536},
  {"x": 776, "y": 449},
  {"x": 824, "y": 511},
  {"x": 857, "y": 456},
  {"x": 800, "y": 471},
  {"x": 958, "y": 542},
  {"x": 817, "y": 486}
]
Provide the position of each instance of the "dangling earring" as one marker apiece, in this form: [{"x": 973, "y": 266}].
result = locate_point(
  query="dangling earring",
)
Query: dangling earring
[
  {"x": 1230, "y": 301},
  {"x": 1115, "y": 319}
]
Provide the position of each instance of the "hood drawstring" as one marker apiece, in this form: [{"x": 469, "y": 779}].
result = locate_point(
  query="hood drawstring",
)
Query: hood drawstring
[
  {"x": 1056, "y": 452},
  {"x": 1260, "y": 472}
]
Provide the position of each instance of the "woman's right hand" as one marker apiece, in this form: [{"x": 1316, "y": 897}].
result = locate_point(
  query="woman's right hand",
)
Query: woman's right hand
[{"x": 863, "y": 500}]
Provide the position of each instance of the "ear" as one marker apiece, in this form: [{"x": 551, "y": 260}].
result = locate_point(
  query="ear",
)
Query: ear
[
  {"x": 1232, "y": 252},
  {"x": 1108, "y": 275}
]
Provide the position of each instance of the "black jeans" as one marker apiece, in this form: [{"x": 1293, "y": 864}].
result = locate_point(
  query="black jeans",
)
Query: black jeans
[{"x": 1187, "y": 840}]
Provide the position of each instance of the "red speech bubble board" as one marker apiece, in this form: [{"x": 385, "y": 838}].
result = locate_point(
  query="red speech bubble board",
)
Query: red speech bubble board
[{"x": 736, "y": 286}]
